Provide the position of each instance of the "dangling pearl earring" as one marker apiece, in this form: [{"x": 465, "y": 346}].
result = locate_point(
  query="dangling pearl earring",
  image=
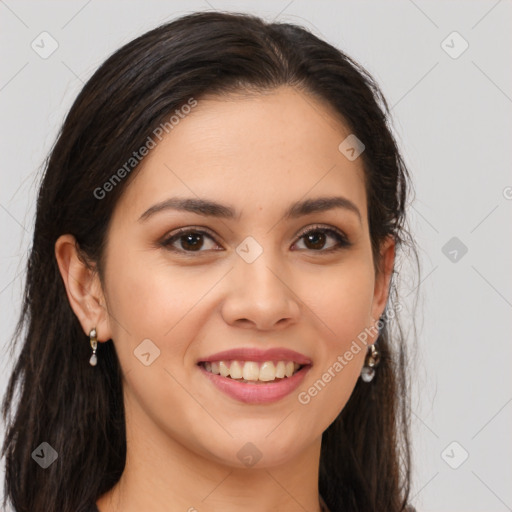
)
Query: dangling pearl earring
[
  {"x": 94, "y": 344},
  {"x": 372, "y": 360}
]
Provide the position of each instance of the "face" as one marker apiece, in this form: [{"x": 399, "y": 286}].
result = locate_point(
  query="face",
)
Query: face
[{"x": 256, "y": 279}]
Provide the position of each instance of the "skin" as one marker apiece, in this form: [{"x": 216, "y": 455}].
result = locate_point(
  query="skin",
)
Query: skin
[{"x": 258, "y": 154}]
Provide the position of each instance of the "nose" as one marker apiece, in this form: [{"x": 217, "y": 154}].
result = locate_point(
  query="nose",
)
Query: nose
[{"x": 260, "y": 295}]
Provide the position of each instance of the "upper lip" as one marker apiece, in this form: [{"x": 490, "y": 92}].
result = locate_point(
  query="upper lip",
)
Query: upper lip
[{"x": 254, "y": 354}]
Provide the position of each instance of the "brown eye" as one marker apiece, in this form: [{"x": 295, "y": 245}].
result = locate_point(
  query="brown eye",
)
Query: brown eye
[
  {"x": 186, "y": 240},
  {"x": 189, "y": 240},
  {"x": 192, "y": 241},
  {"x": 316, "y": 238}
]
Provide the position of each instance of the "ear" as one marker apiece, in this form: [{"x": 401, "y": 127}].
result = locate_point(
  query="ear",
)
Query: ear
[
  {"x": 383, "y": 277},
  {"x": 83, "y": 288}
]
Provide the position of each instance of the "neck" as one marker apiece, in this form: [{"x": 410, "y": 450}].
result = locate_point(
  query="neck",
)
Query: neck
[{"x": 161, "y": 471}]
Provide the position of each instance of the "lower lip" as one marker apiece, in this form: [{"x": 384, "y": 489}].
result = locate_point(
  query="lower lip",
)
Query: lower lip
[{"x": 257, "y": 393}]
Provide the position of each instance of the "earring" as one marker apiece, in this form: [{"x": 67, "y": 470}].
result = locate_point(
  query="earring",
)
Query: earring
[
  {"x": 94, "y": 344},
  {"x": 372, "y": 360}
]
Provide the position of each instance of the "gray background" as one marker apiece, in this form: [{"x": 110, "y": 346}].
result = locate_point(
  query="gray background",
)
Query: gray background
[{"x": 452, "y": 117}]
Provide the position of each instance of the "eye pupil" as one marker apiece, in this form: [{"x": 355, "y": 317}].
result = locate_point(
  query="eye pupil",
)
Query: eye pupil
[
  {"x": 316, "y": 235},
  {"x": 191, "y": 236}
]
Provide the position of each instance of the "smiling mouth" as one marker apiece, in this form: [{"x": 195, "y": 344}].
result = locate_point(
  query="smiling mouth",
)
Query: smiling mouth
[{"x": 253, "y": 372}]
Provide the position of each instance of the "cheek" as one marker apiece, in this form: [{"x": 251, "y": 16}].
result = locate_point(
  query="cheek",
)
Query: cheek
[
  {"x": 150, "y": 297},
  {"x": 166, "y": 304},
  {"x": 153, "y": 308},
  {"x": 340, "y": 301},
  {"x": 341, "y": 311}
]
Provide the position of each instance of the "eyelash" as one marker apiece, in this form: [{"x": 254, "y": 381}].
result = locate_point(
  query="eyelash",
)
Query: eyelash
[{"x": 342, "y": 240}]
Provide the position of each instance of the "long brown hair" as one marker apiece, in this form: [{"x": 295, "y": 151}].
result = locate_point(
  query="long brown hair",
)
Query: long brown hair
[{"x": 78, "y": 410}]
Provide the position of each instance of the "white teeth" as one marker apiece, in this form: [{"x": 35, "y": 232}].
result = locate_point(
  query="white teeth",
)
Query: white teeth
[
  {"x": 251, "y": 370},
  {"x": 235, "y": 370},
  {"x": 289, "y": 369},
  {"x": 280, "y": 370},
  {"x": 267, "y": 371},
  {"x": 224, "y": 369}
]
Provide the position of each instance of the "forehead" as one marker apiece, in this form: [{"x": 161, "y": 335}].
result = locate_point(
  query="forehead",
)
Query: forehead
[{"x": 258, "y": 151}]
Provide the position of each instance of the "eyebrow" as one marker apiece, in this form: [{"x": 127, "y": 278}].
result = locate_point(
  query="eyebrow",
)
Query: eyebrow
[{"x": 210, "y": 208}]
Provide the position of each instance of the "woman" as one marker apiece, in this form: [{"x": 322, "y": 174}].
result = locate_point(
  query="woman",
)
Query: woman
[{"x": 207, "y": 313}]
